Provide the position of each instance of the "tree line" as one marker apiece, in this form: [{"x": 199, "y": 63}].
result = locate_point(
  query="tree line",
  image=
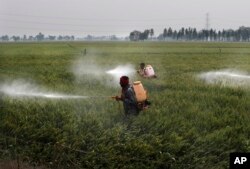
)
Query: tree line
[
  {"x": 38, "y": 37},
  {"x": 191, "y": 34},
  {"x": 242, "y": 34},
  {"x": 42, "y": 37}
]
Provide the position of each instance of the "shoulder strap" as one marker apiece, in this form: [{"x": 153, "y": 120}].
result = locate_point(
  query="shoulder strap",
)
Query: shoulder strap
[{"x": 133, "y": 91}]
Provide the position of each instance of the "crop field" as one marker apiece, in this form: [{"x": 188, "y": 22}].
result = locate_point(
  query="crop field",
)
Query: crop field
[{"x": 190, "y": 123}]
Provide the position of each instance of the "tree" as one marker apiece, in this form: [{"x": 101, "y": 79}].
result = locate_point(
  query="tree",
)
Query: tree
[
  {"x": 5, "y": 38},
  {"x": 211, "y": 34},
  {"x": 241, "y": 34},
  {"x": 182, "y": 32},
  {"x": 60, "y": 37},
  {"x": 16, "y": 38},
  {"x": 169, "y": 32},
  {"x": 165, "y": 33},
  {"x": 24, "y": 37},
  {"x": 186, "y": 34},
  {"x": 151, "y": 32},
  {"x": 244, "y": 33},
  {"x": 40, "y": 37},
  {"x": 67, "y": 38},
  {"x": 205, "y": 34},
  {"x": 52, "y": 37},
  {"x": 178, "y": 35},
  {"x": 224, "y": 35},
  {"x": 219, "y": 36},
  {"x": 135, "y": 35},
  {"x": 31, "y": 38},
  {"x": 144, "y": 35},
  {"x": 175, "y": 34},
  {"x": 194, "y": 34}
]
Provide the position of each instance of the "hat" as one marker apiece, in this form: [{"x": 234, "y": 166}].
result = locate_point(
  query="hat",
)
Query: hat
[{"x": 124, "y": 80}]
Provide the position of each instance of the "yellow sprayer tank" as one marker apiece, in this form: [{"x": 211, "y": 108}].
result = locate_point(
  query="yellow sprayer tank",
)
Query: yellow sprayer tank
[{"x": 140, "y": 93}]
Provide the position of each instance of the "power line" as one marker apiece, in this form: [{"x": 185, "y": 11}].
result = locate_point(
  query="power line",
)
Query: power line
[
  {"x": 71, "y": 30},
  {"x": 78, "y": 25},
  {"x": 165, "y": 19},
  {"x": 101, "y": 19}
]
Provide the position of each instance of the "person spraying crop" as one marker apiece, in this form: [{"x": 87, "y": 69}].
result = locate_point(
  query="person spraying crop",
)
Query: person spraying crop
[
  {"x": 134, "y": 97},
  {"x": 146, "y": 71}
]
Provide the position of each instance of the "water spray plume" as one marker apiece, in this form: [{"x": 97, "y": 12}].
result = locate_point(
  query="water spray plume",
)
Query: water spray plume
[
  {"x": 226, "y": 77},
  {"x": 122, "y": 70},
  {"x": 87, "y": 68},
  {"x": 19, "y": 89}
]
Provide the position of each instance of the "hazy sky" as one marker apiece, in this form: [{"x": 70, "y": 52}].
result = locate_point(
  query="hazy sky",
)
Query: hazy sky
[{"x": 119, "y": 17}]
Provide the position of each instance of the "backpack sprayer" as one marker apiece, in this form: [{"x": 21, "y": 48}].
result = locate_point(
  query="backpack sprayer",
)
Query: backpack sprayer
[
  {"x": 140, "y": 92},
  {"x": 140, "y": 95}
]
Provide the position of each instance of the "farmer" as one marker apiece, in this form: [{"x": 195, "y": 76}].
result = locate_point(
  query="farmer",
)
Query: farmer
[
  {"x": 128, "y": 97},
  {"x": 141, "y": 70},
  {"x": 146, "y": 71}
]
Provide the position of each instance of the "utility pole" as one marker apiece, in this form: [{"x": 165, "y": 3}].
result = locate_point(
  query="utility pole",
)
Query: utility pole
[{"x": 207, "y": 26}]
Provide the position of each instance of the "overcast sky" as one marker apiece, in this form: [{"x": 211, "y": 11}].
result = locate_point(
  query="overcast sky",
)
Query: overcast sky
[{"x": 119, "y": 17}]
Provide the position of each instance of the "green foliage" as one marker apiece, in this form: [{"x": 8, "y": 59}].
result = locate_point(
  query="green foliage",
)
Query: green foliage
[{"x": 189, "y": 124}]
